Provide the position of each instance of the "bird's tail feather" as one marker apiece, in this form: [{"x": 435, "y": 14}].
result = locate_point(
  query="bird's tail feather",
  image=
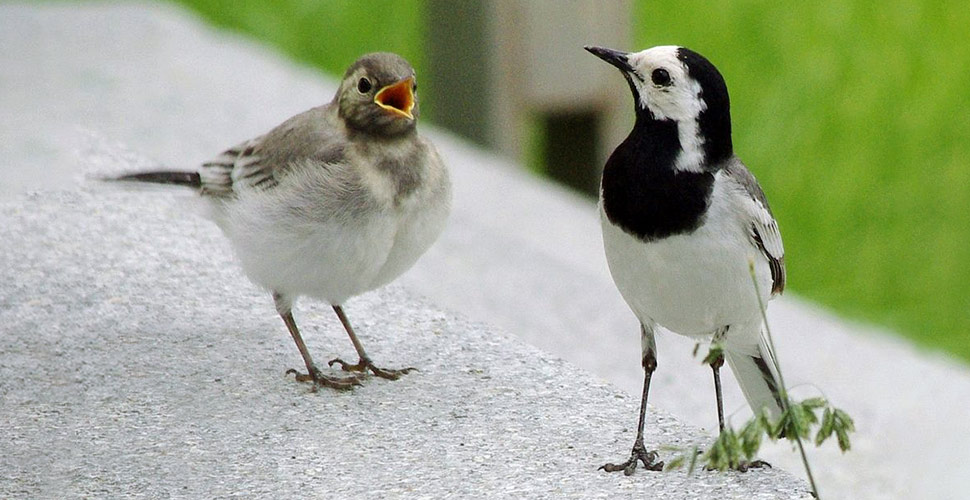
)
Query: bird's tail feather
[
  {"x": 191, "y": 179},
  {"x": 757, "y": 377}
]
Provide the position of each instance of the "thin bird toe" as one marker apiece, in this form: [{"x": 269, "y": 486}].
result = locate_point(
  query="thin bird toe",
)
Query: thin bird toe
[
  {"x": 360, "y": 366},
  {"x": 320, "y": 380},
  {"x": 648, "y": 458},
  {"x": 300, "y": 377},
  {"x": 365, "y": 366},
  {"x": 390, "y": 374},
  {"x": 756, "y": 464}
]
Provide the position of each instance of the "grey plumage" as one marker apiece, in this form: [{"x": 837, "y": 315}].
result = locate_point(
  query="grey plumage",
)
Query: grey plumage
[
  {"x": 764, "y": 229},
  {"x": 333, "y": 202}
]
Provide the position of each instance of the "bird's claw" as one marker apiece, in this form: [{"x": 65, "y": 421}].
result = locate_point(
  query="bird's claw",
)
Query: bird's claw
[
  {"x": 745, "y": 466},
  {"x": 639, "y": 454},
  {"x": 755, "y": 464},
  {"x": 365, "y": 365},
  {"x": 318, "y": 379}
]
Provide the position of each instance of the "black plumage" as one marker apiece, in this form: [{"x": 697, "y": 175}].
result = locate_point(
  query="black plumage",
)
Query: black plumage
[{"x": 641, "y": 190}]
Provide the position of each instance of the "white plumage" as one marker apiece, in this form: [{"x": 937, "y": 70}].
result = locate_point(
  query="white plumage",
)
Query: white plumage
[
  {"x": 695, "y": 283},
  {"x": 289, "y": 241}
]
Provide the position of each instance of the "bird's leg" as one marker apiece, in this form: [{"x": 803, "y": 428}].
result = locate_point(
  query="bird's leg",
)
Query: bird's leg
[
  {"x": 639, "y": 452},
  {"x": 716, "y": 365},
  {"x": 313, "y": 373},
  {"x": 364, "y": 363}
]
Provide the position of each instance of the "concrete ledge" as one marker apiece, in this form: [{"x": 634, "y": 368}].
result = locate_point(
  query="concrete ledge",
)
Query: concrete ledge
[{"x": 137, "y": 360}]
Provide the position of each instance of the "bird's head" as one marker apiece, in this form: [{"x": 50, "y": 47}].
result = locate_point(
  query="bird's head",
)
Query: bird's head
[
  {"x": 378, "y": 95},
  {"x": 676, "y": 84}
]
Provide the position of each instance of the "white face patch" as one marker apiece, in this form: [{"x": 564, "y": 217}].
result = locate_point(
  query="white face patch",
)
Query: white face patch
[{"x": 678, "y": 101}]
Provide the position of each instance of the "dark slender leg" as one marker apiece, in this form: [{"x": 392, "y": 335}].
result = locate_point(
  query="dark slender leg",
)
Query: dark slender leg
[
  {"x": 639, "y": 452},
  {"x": 364, "y": 363},
  {"x": 313, "y": 374},
  {"x": 716, "y": 367}
]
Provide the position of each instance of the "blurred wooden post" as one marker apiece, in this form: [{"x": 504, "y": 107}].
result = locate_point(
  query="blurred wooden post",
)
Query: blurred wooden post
[{"x": 504, "y": 68}]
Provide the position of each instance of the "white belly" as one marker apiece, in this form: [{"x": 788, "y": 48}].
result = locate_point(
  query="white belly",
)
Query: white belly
[
  {"x": 691, "y": 284},
  {"x": 331, "y": 260},
  {"x": 415, "y": 232}
]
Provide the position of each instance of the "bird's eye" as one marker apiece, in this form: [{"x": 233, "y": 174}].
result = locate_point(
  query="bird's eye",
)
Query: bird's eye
[
  {"x": 660, "y": 77},
  {"x": 414, "y": 87},
  {"x": 364, "y": 86}
]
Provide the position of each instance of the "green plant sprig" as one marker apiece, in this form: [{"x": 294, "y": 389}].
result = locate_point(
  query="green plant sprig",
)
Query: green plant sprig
[{"x": 734, "y": 450}]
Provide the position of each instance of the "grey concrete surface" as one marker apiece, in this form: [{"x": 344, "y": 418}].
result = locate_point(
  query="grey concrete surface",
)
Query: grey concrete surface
[
  {"x": 138, "y": 361},
  {"x": 103, "y": 87}
]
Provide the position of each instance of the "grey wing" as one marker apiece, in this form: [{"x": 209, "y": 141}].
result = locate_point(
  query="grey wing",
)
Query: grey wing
[
  {"x": 217, "y": 174},
  {"x": 262, "y": 162},
  {"x": 764, "y": 228}
]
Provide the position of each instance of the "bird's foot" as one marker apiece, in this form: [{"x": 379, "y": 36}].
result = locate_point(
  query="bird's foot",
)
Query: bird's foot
[
  {"x": 638, "y": 454},
  {"x": 318, "y": 379},
  {"x": 365, "y": 365},
  {"x": 745, "y": 466}
]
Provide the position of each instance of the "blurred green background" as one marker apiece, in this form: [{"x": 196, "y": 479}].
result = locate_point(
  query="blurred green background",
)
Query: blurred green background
[{"x": 855, "y": 116}]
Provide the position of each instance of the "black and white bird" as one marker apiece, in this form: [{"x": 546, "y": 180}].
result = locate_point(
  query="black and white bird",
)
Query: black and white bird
[
  {"x": 332, "y": 203},
  {"x": 683, "y": 222}
]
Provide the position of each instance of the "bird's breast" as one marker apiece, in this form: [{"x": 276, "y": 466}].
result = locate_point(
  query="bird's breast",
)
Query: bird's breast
[
  {"x": 689, "y": 283},
  {"x": 413, "y": 186},
  {"x": 395, "y": 172},
  {"x": 654, "y": 203},
  {"x": 332, "y": 233}
]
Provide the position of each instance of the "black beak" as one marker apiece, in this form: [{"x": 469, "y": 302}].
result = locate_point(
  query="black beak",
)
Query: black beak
[{"x": 615, "y": 57}]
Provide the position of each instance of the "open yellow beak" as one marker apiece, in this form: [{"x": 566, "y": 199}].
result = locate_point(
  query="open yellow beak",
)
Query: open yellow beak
[{"x": 397, "y": 98}]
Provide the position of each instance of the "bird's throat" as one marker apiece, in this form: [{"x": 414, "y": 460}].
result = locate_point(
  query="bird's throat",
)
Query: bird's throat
[{"x": 645, "y": 193}]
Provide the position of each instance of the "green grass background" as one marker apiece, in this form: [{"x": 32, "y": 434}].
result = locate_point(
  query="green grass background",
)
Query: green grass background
[
  {"x": 855, "y": 116},
  {"x": 328, "y": 34}
]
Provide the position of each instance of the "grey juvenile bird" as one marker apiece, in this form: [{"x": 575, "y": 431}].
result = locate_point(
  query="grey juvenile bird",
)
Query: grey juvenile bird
[
  {"x": 683, "y": 219},
  {"x": 332, "y": 203}
]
